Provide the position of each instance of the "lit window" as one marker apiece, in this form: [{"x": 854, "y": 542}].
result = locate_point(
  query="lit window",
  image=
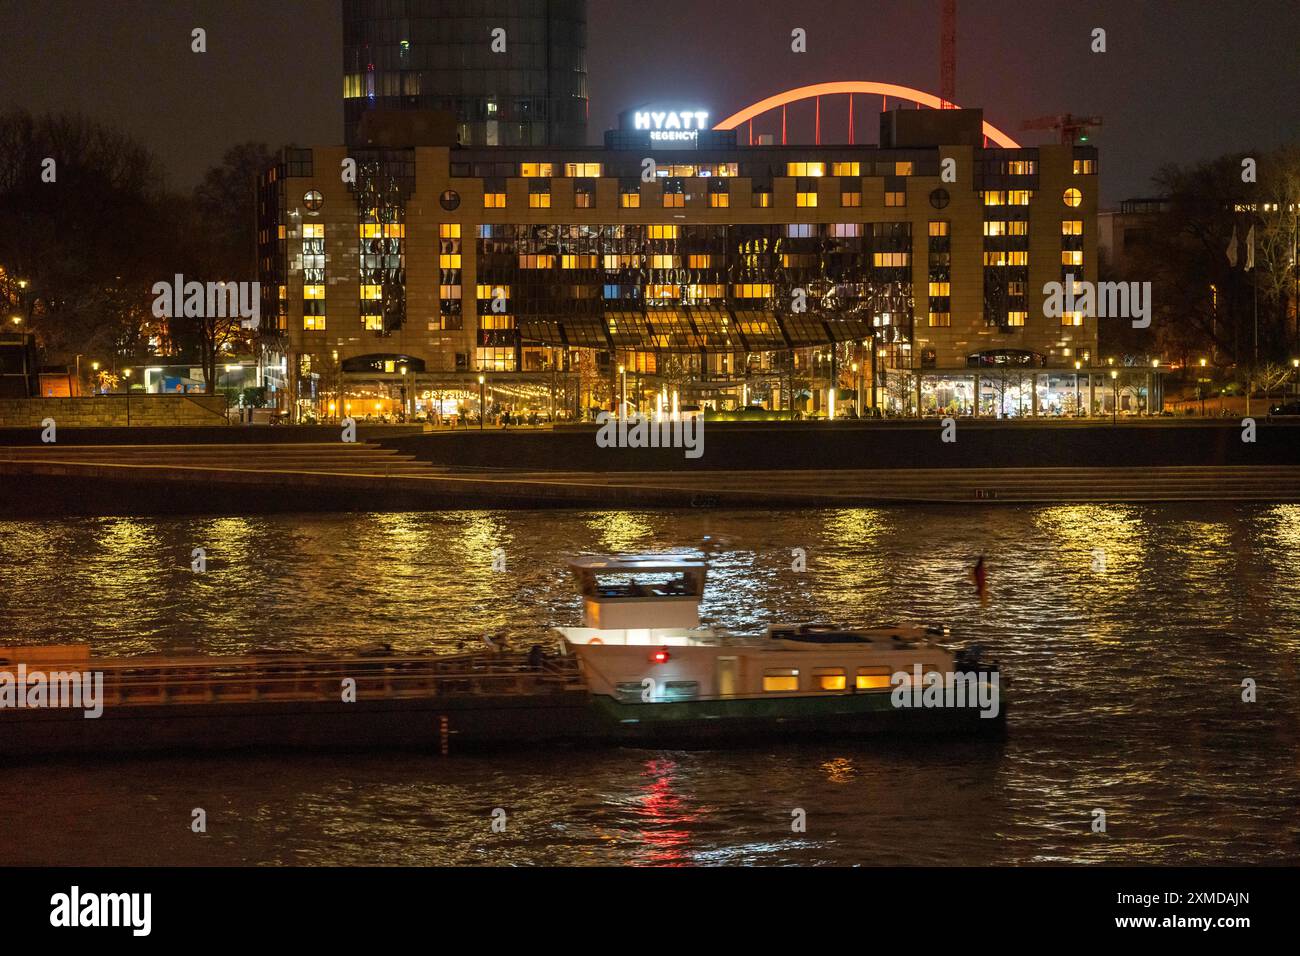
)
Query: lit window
[
  {"x": 313, "y": 230},
  {"x": 539, "y": 200},
  {"x": 1085, "y": 167},
  {"x": 371, "y": 292},
  {"x": 873, "y": 678},
  {"x": 1073, "y": 197},
  {"x": 902, "y": 169},
  {"x": 580, "y": 171},
  {"x": 313, "y": 292},
  {"x": 846, "y": 230},
  {"x": 1072, "y": 318},
  {"x": 313, "y": 323},
  {"x": 888, "y": 259},
  {"x": 535, "y": 170},
  {"x": 313, "y": 200},
  {"x": 720, "y": 200},
  {"x": 1017, "y": 318},
  {"x": 992, "y": 197},
  {"x": 895, "y": 198},
  {"x": 939, "y": 320},
  {"x": 846, "y": 169},
  {"x": 373, "y": 323},
  {"x": 674, "y": 200},
  {"x": 805, "y": 199},
  {"x": 536, "y": 262},
  {"x": 1072, "y": 227},
  {"x": 829, "y": 678},
  {"x": 940, "y": 288},
  {"x": 805, "y": 169},
  {"x": 753, "y": 290},
  {"x": 1020, "y": 167},
  {"x": 762, "y": 198},
  {"x": 1006, "y": 258},
  {"x": 662, "y": 232},
  {"x": 281, "y": 232},
  {"x": 494, "y": 200},
  {"x": 492, "y": 291},
  {"x": 700, "y": 262},
  {"x": 850, "y": 200},
  {"x": 449, "y": 260},
  {"x": 1018, "y": 197},
  {"x": 449, "y": 230},
  {"x": 630, "y": 200},
  {"x": 1071, "y": 257},
  {"x": 995, "y": 228},
  {"x": 780, "y": 678},
  {"x": 938, "y": 227},
  {"x": 450, "y": 291},
  {"x": 583, "y": 200}
]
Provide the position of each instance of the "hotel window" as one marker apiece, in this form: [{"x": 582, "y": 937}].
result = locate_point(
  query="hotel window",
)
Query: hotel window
[
  {"x": 800, "y": 230},
  {"x": 850, "y": 198},
  {"x": 1071, "y": 257},
  {"x": 629, "y": 195},
  {"x": 1072, "y": 227},
  {"x": 805, "y": 169},
  {"x": 1000, "y": 227},
  {"x": 719, "y": 194},
  {"x": 449, "y": 261},
  {"x": 280, "y": 232},
  {"x": 846, "y": 230},
  {"x": 1072, "y": 318},
  {"x": 700, "y": 261},
  {"x": 1073, "y": 198},
  {"x": 535, "y": 170},
  {"x": 313, "y": 323},
  {"x": 1018, "y": 197},
  {"x": 1085, "y": 167},
  {"x": 584, "y": 194},
  {"x": 373, "y": 323},
  {"x": 752, "y": 290},
  {"x": 846, "y": 169},
  {"x": 940, "y": 288},
  {"x": 940, "y": 320},
  {"x": 313, "y": 230},
  {"x": 829, "y": 678},
  {"x": 660, "y": 261},
  {"x": 449, "y": 230},
  {"x": 895, "y": 197},
  {"x": 536, "y": 262},
  {"x": 805, "y": 193},
  {"x": 570, "y": 261},
  {"x": 674, "y": 195},
  {"x": 1005, "y": 258},
  {"x": 582, "y": 170},
  {"x": 539, "y": 197},
  {"x": 780, "y": 678},
  {"x": 661, "y": 232},
  {"x": 490, "y": 291},
  {"x": 902, "y": 169},
  {"x": 313, "y": 292},
  {"x": 762, "y": 198},
  {"x": 1020, "y": 167},
  {"x": 1016, "y": 318},
  {"x": 889, "y": 259},
  {"x": 873, "y": 678}
]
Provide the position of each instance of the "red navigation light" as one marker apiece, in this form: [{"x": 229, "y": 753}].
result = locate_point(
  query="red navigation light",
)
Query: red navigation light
[{"x": 660, "y": 657}]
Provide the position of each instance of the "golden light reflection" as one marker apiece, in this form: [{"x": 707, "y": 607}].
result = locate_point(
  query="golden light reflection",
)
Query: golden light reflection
[
  {"x": 839, "y": 770},
  {"x": 623, "y": 531},
  {"x": 1105, "y": 544}
]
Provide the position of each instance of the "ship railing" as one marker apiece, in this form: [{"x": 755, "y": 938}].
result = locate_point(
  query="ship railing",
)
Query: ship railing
[{"x": 144, "y": 682}]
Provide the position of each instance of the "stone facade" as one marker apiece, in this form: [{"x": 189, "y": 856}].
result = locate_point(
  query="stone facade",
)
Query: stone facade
[{"x": 109, "y": 410}]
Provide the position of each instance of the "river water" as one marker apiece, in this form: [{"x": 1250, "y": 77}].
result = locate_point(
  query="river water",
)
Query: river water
[{"x": 1126, "y": 633}]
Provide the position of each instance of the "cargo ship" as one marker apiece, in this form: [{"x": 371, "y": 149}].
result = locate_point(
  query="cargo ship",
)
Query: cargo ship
[{"x": 639, "y": 671}]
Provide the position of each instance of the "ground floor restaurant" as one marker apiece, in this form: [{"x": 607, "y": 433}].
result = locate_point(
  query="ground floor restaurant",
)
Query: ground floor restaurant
[{"x": 1028, "y": 392}]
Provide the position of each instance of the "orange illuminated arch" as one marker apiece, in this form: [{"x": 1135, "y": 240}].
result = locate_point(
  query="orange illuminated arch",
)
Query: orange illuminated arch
[{"x": 846, "y": 87}]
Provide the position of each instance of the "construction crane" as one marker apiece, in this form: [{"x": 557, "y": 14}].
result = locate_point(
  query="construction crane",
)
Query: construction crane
[
  {"x": 1074, "y": 129},
  {"x": 948, "y": 55}
]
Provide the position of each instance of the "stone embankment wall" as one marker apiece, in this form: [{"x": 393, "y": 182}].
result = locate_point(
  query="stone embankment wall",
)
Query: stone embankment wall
[{"x": 114, "y": 410}]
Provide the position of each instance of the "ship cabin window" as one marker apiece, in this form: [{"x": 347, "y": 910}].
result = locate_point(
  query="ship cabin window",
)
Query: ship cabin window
[
  {"x": 873, "y": 678},
  {"x": 829, "y": 678},
  {"x": 780, "y": 678},
  {"x": 680, "y": 690},
  {"x": 629, "y": 693}
]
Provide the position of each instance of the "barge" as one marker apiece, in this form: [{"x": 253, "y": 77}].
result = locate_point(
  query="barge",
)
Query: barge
[{"x": 639, "y": 671}]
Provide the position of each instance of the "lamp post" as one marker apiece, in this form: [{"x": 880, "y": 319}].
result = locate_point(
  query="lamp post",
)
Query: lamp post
[
  {"x": 1114, "y": 401},
  {"x": 622, "y": 392},
  {"x": 857, "y": 392},
  {"x": 1200, "y": 390},
  {"x": 403, "y": 370},
  {"x": 1151, "y": 388},
  {"x": 482, "y": 411},
  {"x": 1077, "y": 365}
]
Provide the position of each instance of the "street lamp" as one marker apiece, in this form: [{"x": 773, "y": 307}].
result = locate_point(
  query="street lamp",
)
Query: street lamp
[
  {"x": 1077, "y": 365},
  {"x": 1114, "y": 401},
  {"x": 622, "y": 400},
  {"x": 481, "y": 409},
  {"x": 857, "y": 392},
  {"x": 402, "y": 369}
]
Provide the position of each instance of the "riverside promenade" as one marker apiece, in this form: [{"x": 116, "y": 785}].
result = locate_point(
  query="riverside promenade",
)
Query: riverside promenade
[{"x": 745, "y": 465}]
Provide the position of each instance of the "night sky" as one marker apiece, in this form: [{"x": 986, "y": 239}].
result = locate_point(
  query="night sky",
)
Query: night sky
[{"x": 1180, "y": 81}]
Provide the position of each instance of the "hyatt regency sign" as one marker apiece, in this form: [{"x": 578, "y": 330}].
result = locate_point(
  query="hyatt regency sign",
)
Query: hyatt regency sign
[{"x": 671, "y": 126}]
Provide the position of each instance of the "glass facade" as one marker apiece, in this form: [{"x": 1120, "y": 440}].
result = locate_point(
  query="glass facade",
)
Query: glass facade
[{"x": 513, "y": 72}]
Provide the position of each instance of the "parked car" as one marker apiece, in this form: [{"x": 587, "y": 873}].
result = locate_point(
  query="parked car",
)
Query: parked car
[{"x": 1284, "y": 409}]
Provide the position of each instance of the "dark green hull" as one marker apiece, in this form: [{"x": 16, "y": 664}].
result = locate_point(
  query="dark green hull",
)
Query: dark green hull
[{"x": 737, "y": 720}]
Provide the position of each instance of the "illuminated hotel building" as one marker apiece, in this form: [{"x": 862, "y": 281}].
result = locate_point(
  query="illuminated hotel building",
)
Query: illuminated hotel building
[{"x": 911, "y": 273}]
